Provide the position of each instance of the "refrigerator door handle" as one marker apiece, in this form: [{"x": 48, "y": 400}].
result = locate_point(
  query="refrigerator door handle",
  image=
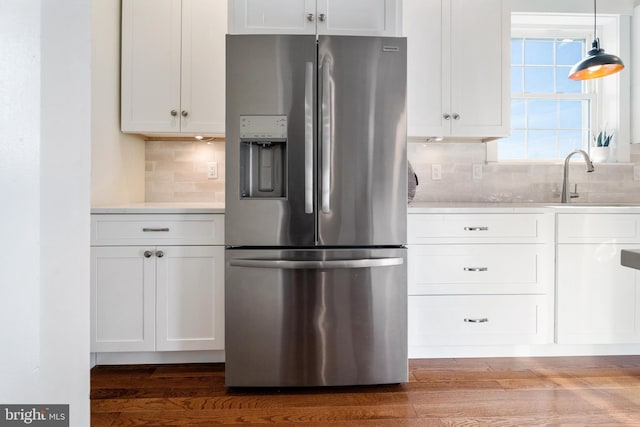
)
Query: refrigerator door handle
[
  {"x": 308, "y": 138},
  {"x": 326, "y": 137},
  {"x": 316, "y": 265}
]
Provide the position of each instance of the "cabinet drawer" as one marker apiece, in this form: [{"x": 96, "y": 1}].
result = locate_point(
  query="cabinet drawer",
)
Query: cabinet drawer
[
  {"x": 480, "y": 269},
  {"x": 479, "y": 228},
  {"x": 157, "y": 229},
  {"x": 598, "y": 228},
  {"x": 478, "y": 320}
]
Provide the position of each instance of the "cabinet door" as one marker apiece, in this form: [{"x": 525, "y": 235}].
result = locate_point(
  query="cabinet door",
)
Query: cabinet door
[
  {"x": 150, "y": 66},
  {"x": 272, "y": 17},
  {"x": 478, "y": 34},
  {"x": 359, "y": 17},
  {"x": 425, "y": 67},
  {"x": 597, "y": 297},
  {"x": 458, "y": 67},
  {"x": 190, "y": 298},
  {"x": 122, "y": 299},
  {"x": 204, "y": 25}
]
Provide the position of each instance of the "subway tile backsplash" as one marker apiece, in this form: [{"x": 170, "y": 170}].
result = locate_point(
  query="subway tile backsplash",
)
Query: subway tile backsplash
[
  {"x": 516, "y": 183},
  {"x": 176, "y": 171}
]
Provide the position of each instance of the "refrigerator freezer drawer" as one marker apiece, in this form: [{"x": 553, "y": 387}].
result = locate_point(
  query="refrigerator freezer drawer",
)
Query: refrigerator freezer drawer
[{"x": 303, "y": 317}]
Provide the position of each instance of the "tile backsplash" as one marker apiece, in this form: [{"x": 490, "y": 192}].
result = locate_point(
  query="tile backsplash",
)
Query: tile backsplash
[
  {"x": 176, "y": 171},
  {"x": 513, "y": 182}
]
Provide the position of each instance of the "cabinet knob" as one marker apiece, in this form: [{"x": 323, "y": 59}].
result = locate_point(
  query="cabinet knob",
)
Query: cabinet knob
[
  {"x": 174, "y": 113},
  {"x": 310, "y": 17},
  {"x": 456, "y": 116},
  {"x": 147, "y": 254},
  {"x": 322, "y": 17},
  {"x": 184, "y": 113},
  {"x": 446, "y": 116},
  {"x": 159, "y": 254}
]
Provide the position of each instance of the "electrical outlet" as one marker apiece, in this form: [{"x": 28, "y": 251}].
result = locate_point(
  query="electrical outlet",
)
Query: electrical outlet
[
  {"x": 212, "y": 170},
  {"x": 636, "y": 173},
  {"x": 477, "y": 171},
  {"x": 436, "y": 172}
]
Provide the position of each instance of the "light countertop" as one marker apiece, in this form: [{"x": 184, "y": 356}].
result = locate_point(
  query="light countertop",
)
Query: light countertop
[
  {"x": 491, "y": 207},
  {"x": 160, "y": 208},
  {"x": 413, "y": 208}
]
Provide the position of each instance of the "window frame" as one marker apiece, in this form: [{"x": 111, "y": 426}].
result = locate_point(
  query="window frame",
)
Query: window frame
[
  {"x": 612, "y": 105},
  {"x": 590, "y": 86}
]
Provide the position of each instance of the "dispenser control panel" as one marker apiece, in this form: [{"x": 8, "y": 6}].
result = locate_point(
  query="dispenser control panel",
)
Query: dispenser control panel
[{"x": 263, "y": 127}]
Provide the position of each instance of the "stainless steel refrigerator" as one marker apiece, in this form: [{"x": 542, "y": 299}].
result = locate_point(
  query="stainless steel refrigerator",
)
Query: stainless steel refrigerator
[{"x": 316, "y": 206}]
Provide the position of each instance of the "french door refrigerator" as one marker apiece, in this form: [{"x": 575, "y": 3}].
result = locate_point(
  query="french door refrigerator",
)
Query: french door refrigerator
[{"x": 315, "y": 214}]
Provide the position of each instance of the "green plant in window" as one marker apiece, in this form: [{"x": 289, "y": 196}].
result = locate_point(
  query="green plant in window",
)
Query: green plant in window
[{"x": 602, "y": 139}]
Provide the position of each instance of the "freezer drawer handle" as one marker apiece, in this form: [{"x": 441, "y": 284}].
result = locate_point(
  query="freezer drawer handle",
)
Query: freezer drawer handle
[
  {"x": 476, "y": 229},
  {"x": 317, "y": 265},
  {"x": 476, "y": 269},
  {"x": 149, "y": 230},
  {"x": 480, "y": 320}
]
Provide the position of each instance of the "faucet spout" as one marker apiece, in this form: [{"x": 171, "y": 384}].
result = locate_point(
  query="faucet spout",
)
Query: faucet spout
[{"x": 565, "y": 182}]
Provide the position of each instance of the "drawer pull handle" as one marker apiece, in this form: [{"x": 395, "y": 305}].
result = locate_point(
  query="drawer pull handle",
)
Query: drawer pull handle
[
  {"x": 476, "y": 269},
  {"x": 480, "y": 320},
  {"x": 476, "y": 229},
  {"x": 147, "y": 230}
]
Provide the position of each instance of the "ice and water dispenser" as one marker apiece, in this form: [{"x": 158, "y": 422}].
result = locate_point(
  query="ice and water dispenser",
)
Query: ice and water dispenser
[{"x": 263, "y": 157}]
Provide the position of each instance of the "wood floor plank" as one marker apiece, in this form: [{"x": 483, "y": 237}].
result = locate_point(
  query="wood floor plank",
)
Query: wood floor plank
[{"x": 441, "y": 392}]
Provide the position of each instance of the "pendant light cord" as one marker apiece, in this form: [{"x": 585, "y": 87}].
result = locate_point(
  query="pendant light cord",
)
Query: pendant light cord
[{"x": 595, "y": 17}]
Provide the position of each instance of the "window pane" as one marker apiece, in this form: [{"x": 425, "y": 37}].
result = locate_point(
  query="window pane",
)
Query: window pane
[
  {"x": 518, "y": 114},
  {"x": 513, "y": 147},
  {"x": 564, "y": 84},
  {"x": 538, "y": 52},
  {"x": 569, "y": 52},
  {"x": 570, "y": 140},
  {"x": 542, "y": 114},
  {"x": 543, "y": 144},
  {"x": 516, "y": 80},
  {"x": 516, "y": 51},
  {"x": 538, "y": 79},
  {"x": 571, "y": 113}
]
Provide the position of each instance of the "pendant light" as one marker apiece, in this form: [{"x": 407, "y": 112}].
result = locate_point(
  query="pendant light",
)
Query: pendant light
[{"x": 596, "y": 63}]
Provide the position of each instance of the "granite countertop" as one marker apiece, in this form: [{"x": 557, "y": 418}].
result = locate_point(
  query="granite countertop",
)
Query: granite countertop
[
  {"x": 630, "y": 258},
  {"x": 160, "y": 208}
]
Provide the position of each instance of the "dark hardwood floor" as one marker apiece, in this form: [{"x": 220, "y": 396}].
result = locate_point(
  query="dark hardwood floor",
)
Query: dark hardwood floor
[{"x": 577, "y": 391}]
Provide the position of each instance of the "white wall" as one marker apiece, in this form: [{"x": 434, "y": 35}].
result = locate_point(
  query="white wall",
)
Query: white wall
[
  {"x": 44, "y": 194},
  {"x": 117, "y": 159},
  {"x": 619, "y": 7}
]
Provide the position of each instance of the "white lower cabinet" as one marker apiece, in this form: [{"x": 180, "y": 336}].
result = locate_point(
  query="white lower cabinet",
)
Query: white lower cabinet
[
  {"x": 478, "y": 319},
  {"x": 157, "y": 298},
  {"x": 478, "y": 279},
  {"x": 598, "y": 299}
]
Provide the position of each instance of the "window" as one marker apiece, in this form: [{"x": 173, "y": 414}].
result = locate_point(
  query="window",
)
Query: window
[{"x": 551, "y": 115}]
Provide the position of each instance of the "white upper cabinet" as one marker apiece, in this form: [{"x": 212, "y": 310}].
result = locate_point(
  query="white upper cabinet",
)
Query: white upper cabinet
[
  {"x": 337, "y": 17},
  {"x": 173, "y": 66},
  {"x": 458, "y": 68}
]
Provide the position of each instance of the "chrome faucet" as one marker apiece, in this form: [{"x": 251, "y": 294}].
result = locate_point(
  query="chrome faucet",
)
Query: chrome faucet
[{"x": 565, "y": 183}]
